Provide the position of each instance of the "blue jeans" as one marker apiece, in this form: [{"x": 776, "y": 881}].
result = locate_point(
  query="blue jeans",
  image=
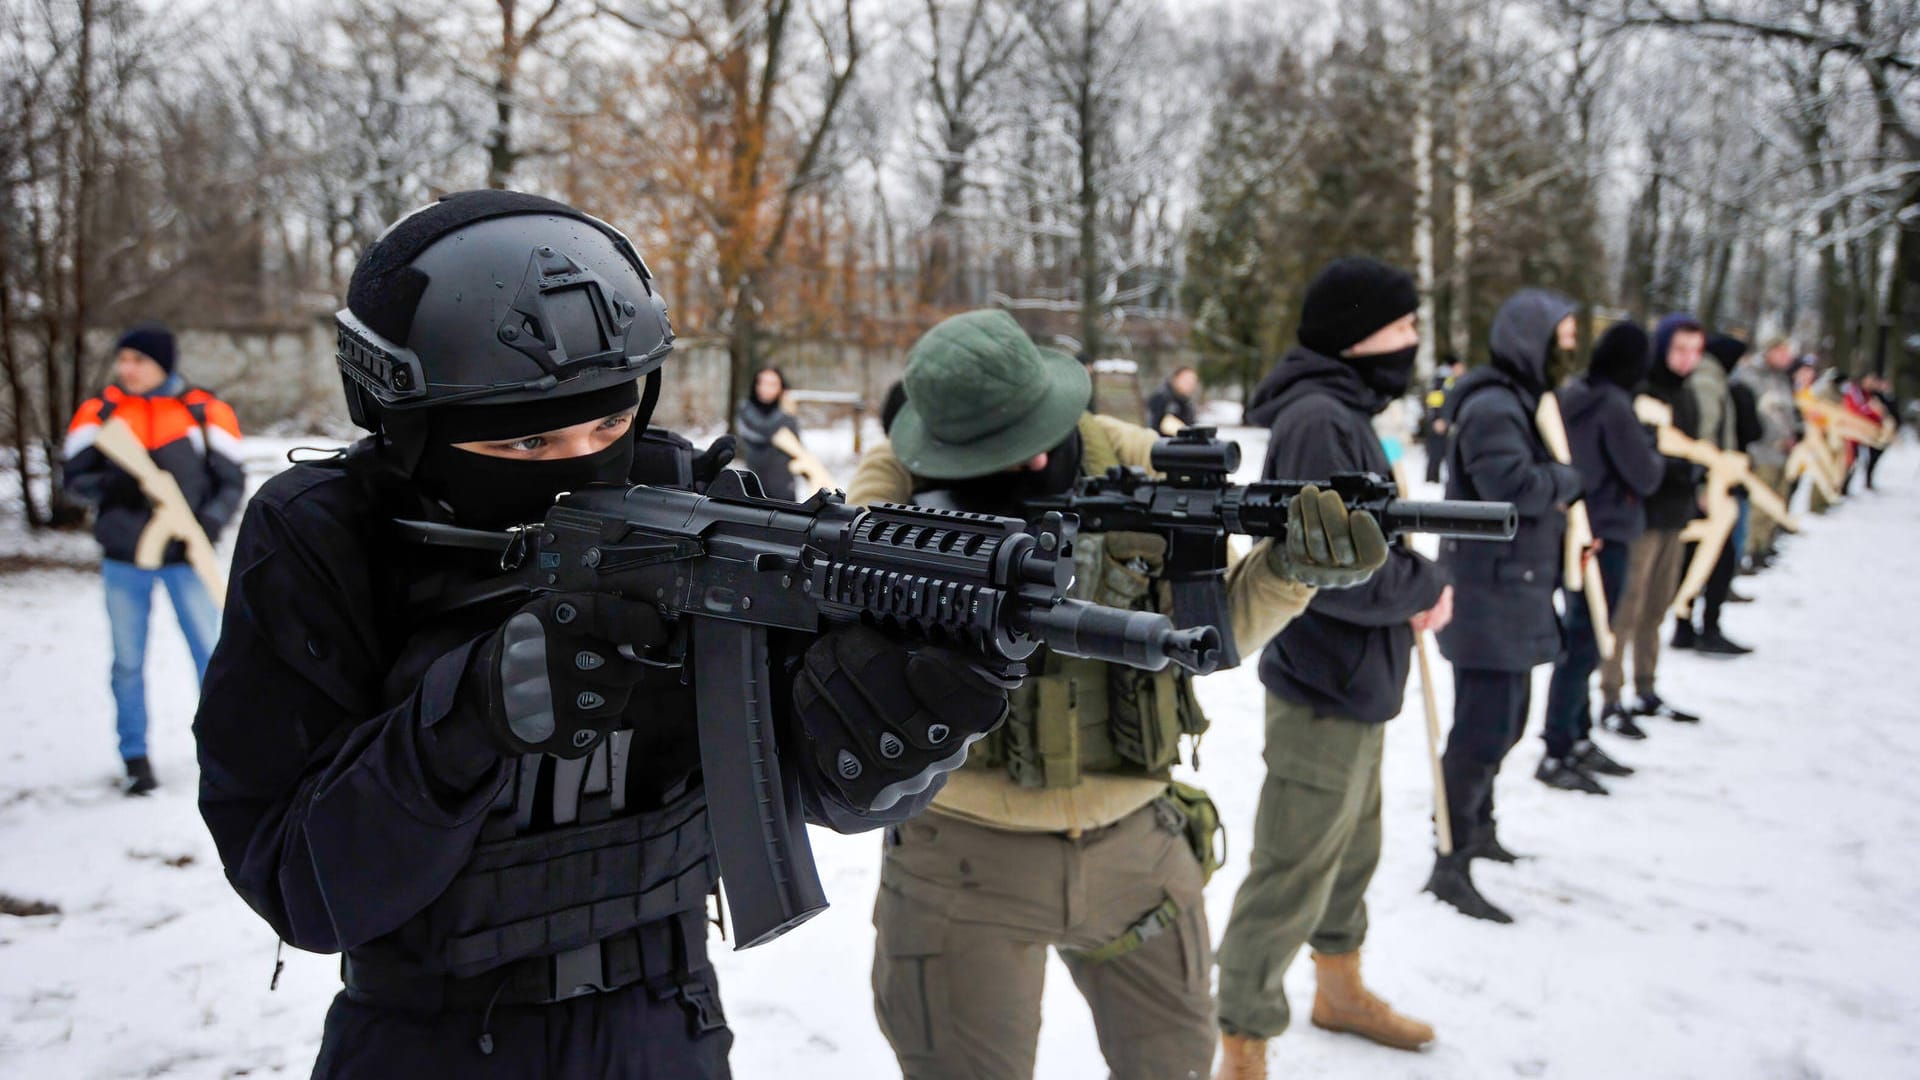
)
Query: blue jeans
[
  {"x": 1569, "y": 705},
  {"x": 129, "y": 610}
]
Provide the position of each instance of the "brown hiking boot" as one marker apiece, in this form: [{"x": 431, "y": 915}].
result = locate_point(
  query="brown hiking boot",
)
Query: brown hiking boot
[
  {"x": 1341, "y": 1002},
  {"x": 1242, "y": 1057}
]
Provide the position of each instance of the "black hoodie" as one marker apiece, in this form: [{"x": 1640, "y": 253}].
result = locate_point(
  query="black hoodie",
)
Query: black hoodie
[
  {"x": 1347, "y": 654},
  {"x": 1614, "y": 454},
  {"x": 1503, "y": 615},
  {"x": 1675, "y": 502}
]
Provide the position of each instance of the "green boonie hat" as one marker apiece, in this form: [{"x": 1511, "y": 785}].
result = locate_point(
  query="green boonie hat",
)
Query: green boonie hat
[{"x": 982, "y": 398}]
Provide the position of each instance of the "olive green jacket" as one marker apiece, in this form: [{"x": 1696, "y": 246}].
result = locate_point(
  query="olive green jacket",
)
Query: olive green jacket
[{"x": 1259, "y": 601}]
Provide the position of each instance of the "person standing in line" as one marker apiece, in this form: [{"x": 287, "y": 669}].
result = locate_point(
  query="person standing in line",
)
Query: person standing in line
[
  {"x": 1433, "y": 416},
  {"x": 1334, "y": 678},
  {"x": 1504, "y": 624},
  {"x": 1620, "y": 468},
  {"x": 758, "y": 419},
  {"x": 1719, "y": 426},
  {"x": 1655, "y": 561},
  {"x": 192, "y": 435},
  {"x": 1780, "y": 425}
]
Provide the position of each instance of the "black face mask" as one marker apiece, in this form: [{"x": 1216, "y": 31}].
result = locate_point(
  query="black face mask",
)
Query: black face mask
[
  {"x": 1387, "y": 374},
  {"x": 492, "y": 493},
  {"x": 1006, "y": 493}
]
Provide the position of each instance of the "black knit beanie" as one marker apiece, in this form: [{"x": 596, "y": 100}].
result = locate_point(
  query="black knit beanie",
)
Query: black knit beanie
[
  {"x": 1352, "y": 298},
  {"x": 152, "y": 339}
]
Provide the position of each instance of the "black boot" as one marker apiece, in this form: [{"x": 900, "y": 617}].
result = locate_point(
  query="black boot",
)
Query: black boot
[
  {"x": 1563, "y": 774},
  {"x": 1651, "y": 705},
  {"x": 1714, "y": 643},
  {"x": 1452, "y": 884},
  {"x": 1683, "y": 635},
  {"x": 1617, "y": 719},
  {"x": 1590, "y": 758},
  {"x": 1489, "y": 847},
  {"x": 139, "y": 779}
]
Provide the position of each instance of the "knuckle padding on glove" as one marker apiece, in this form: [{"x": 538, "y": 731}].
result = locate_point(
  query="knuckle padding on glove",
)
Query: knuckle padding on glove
[
  {"x": 1369, "y": 540},
  {"x": 526, "y": 689}
]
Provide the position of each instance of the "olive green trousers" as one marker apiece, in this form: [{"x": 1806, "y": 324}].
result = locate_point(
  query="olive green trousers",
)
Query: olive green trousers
[{"x": 1316, "y": 841}]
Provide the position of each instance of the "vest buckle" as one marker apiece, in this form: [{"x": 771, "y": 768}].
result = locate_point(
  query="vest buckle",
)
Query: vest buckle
[{"x": 578, "y": 972}]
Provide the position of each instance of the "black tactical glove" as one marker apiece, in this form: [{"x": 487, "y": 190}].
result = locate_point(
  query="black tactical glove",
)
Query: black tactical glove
[
  {"x": 1568, "y": 485},
  {"x": 1327, "y": 547},
  {"x": 884, "y": 719},
  {"x": 552, "y": 679},
  {"x": 708, "y": 463}
]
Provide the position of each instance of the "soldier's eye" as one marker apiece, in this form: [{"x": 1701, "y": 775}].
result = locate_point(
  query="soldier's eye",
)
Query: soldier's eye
[{"x": 526, "y": 445}]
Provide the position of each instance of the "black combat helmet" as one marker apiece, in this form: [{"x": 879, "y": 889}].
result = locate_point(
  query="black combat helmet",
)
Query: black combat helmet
[{"x": 496, "y": 297}]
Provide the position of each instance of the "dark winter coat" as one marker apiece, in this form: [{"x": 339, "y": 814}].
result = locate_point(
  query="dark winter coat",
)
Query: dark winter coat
[
  {"x": 1503, "y": 615},
  {"x": 1674, "y": 502},
  {"x": 756, "y": 425},
  {"x": 338, "y": 788},
  {"x": 187, "y": 432},
  {"x": 1618, "y": 464},
  {"x": 1163, "y": 403},
  {"x": 1347, "y": 654}
]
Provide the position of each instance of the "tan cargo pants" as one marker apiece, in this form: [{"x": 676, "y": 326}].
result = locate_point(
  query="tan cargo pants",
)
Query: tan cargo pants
[
  {"x": 1316, "y": 842},
  {"x": 1654, "y": 565},
  {"x": 966, "y": 914},
  {"x": 1762, "y": 528}
]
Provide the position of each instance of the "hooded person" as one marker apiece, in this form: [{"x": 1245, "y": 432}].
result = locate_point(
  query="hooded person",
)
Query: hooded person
[
  {"x": 1334, "y": 677},
  {"x": 1067, "y": 833},
  {"x": 1619, "y": 468},
  {"x": 758, "y": 419},
  {"x": 496, "y": 810},
  {"x": 1504, "y": 623},
  {"x": 1656, "y": 559},
  {"x": 1729, "y": 414}
]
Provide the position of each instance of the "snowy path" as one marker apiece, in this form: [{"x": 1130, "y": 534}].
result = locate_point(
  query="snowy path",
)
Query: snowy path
[{"x": 1743, "y": 908}]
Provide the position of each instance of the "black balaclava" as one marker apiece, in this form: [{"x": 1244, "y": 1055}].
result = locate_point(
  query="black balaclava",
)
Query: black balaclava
[
  {"x": 1387, "y": 374},
  {"x": 492, "y": 493},
  {"x": 1006, "y": 493}
]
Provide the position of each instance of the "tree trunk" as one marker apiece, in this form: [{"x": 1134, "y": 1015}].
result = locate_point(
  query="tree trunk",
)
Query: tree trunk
[
  {"x": 1423, "y": 223},
  {"x": 1089, "y": 200},
  {"x": 1459, "y": 290}
]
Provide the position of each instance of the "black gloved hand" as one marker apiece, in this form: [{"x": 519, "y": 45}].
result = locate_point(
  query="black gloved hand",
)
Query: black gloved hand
[
  {"x": 552, "y": 680},
  {"x": 885, "y": 719},
  {"x": 1569, "y": 486},
  {"x": 708, "y": 463}
]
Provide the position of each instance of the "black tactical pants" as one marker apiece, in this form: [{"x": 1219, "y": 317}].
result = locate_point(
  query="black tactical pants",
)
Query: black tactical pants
[
  {"x": 1569, "y": 696},
  {"x": 627, "y": 1034},
  {"x": 1489, "y": 715}
]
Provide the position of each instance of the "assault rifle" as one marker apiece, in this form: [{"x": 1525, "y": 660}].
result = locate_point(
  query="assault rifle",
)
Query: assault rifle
[
  {"x": 1194, "y": 506},
  {"x": 728, "y": 566}
]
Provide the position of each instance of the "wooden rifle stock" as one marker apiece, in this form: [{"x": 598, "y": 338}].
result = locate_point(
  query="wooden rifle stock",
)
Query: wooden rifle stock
[
  {"x": 1581, "y": 573},
  {"x": 172, "y": 518}
]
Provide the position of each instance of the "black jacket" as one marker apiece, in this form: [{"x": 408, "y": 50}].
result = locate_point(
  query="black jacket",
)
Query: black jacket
[
  {"x": 1614, "y": 453},
  {"x": 1674, "y": 502},
  {"x": 1347, "y": 654},
  {"x": 757, "y": 425},
  {"x": 1503, "y": 615},
  {"x": 340, "y": 796},
  {"x": 1163, "y": 403}
]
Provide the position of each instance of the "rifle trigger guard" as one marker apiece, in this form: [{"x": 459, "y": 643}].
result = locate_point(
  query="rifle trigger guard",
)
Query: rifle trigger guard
[{"x": 514, "y": 555}]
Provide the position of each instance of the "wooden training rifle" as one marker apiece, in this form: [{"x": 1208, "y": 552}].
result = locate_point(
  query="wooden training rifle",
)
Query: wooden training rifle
[
  {"x": 1580, "y": 574},
  {"x": 172, "y": 518},
  {"x": 804, "y": 464},
  {"x": 1726, "y": 470}
]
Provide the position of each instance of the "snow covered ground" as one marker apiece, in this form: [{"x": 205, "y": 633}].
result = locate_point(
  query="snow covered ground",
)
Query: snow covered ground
[{"x": 1742, "y": 908}]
